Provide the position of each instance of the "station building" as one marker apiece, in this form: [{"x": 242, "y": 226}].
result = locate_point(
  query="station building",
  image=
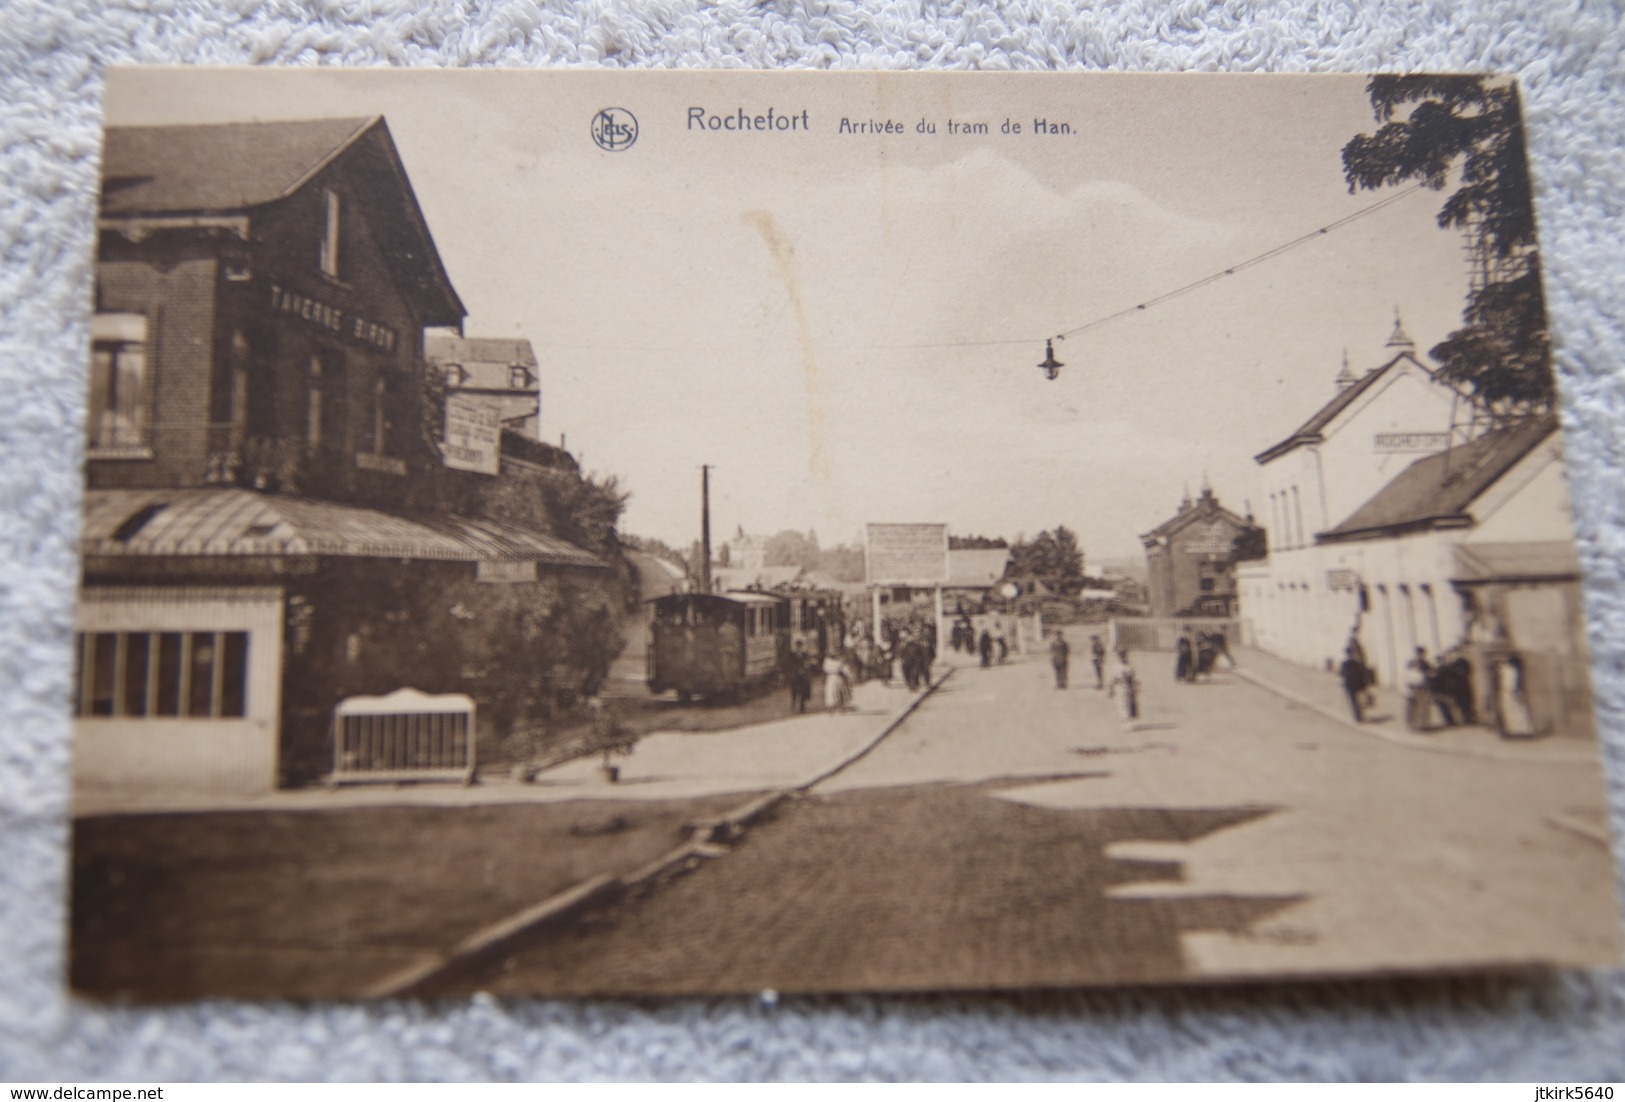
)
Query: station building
[
  {"x": 269, "y": 525},
  {"x": 1395, "y": 524},
  {"x": 1374, "y": 425}
]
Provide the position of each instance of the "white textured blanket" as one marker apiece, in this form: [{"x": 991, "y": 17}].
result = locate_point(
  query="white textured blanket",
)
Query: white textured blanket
[{"x": 1567, "y": 1028}]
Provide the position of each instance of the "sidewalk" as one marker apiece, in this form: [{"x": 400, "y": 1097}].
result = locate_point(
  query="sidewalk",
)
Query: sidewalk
[
  {"x": 1322, "y": 692},
  {"x": 785, "y": 754}
]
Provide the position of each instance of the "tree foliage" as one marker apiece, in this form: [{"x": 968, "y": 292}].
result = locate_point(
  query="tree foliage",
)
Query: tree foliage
[
  {"x": 791, "y": 548},
  {"x": 586, "y": 510},
  {"x": 1470, "y": 128},
  {"x": 976, "y": 543},
  {"x": 1250, "y": 544},
  {"x": 1053, "y": 556}
]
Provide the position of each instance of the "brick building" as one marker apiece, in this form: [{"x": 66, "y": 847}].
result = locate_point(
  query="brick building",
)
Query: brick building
[
  {"x": 1191, "y": 559},
  {"x": 269, "y": 526}
]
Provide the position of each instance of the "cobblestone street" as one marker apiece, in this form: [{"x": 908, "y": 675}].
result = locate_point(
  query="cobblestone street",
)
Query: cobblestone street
[{"x": 1011, "y": 830}]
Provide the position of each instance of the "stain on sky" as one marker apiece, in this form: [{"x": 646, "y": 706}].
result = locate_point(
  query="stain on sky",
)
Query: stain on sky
[{"x": 784, "y": 256}]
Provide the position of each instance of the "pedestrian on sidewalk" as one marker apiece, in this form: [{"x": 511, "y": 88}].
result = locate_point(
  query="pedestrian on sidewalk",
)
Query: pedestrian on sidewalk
[
  {"x": 837, "y": 683},
  {"x": 1183, "y": 659},
  {"x": 799, "y": 677},
  {"x": 1097, "y": 659},
  {"x": 1125, "y": 686},
  {"x": 1512, "y": 700},
  {"x": 985, "y": 646},
  {"x": 1419, "y": 702},
  {"x": 1356, "y": 679},
  {"x": 1060, "y": 656},
  {"x": 1001, "y": 646}
]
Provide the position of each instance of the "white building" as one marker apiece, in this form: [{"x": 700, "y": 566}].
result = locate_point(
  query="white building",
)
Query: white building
[
  {"x": 1401, "y": 551},
  {"x": 1374, "y": 426}
]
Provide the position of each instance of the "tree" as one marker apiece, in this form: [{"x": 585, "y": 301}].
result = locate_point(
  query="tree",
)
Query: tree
[
  {"x": 586, "y": 510},
  {"x": 1250, "y": 544},
  {"x": 1053, "y": 556},
  {"x": 1471, "y": 127},
  {"x": 791, "y": 548},
  {"x": 976, "y": 543},
  {"x": 649, "y": 545}
]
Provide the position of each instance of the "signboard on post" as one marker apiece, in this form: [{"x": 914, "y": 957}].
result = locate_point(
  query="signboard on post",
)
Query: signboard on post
[
  {"x": 905, "y": 554},
  {"x": 473, "y": 435}
]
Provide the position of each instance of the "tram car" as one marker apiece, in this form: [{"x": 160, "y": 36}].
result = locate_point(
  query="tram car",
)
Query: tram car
[{"x": 715, "y": 645}]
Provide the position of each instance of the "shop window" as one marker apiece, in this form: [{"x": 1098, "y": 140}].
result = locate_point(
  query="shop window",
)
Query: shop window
[
  {"x": 166, "y": 674},
  {"x": 331, "y": 212},
  {"x": 118, "y": 370}
]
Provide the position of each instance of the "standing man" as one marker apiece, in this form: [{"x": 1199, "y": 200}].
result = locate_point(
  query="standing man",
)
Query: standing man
[
  {"x": 1060, "y": 656},
  {"x": 800, "y": 678},
  {"x": 1356, "y": 679},
  {"x": 1097, "y": 659}
]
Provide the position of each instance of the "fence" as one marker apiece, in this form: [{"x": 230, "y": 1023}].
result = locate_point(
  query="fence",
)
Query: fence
[
  {"x": 1163, "y": 633},
  {"x": 405, "y": 736}
]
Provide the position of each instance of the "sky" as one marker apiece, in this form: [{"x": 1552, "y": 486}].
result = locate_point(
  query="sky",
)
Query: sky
[{"x": 846, "y": 325}]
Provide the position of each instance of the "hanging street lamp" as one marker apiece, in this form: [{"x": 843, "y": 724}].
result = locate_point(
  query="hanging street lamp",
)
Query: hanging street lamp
[{"x": 1051, "y": 367}]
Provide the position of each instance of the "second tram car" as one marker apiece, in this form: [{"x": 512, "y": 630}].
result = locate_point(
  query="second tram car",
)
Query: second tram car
[{"x": 713, "y": 645}]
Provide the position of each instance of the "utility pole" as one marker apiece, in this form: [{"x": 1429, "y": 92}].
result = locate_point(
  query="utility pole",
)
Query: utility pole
[{"x": 705, "y": 526}]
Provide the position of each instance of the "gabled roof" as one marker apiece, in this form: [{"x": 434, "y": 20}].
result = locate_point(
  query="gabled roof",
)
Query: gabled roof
[
  {"x": 484, "y": 363},
  {"x": 1204, "y": 508},
  {"x": 976, "y": 567},
  {"x": 204, "y": 171},
  {"x": 217, "y": 168},
  {"x": 1310, "y": 432},
  {"x": 1436, "y": 490},
  {"x": 217, "y": 522},
  {"x": 444, "y": 348}
]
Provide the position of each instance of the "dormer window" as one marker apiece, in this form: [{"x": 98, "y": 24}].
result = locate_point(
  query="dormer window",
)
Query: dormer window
[
  {"x": 331, "y": 210},
  {"x": 518, "y": 378}
]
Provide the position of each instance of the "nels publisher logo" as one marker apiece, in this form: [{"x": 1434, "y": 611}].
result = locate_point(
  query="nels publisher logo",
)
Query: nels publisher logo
[{"x": 614, "y": 129}]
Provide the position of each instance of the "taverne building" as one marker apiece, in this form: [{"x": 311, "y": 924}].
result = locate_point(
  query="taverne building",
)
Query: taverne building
[{"x": 269, "y": 527}]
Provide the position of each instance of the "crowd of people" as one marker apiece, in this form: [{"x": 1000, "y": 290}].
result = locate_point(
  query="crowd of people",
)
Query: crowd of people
[
  {"x": 905, "y": 649},
  {"x": 1436, "y": 695}
]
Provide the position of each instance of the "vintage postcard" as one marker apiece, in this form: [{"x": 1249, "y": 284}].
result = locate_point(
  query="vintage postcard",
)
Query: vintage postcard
[{"x": 601, "y": 533}]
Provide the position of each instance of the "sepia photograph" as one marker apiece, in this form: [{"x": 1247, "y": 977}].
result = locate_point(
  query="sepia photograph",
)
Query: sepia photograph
[{"x": 687, "y": 533}]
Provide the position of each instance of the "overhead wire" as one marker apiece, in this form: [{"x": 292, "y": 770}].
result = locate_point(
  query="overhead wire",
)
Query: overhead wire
[{"x": 1157, "y": 300}]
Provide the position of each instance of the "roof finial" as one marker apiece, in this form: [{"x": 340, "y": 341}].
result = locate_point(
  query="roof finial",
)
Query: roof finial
[
  {"x": 1185, "y": 498},
  {"x": 1345, "y": 377},
  {"x": 1399, "y": 338}
]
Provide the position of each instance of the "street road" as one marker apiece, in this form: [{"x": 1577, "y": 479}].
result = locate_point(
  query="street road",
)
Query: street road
[{"x": 1010, "y": 833}]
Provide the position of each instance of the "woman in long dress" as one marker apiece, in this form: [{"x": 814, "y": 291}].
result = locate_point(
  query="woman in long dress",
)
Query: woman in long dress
[
  {"x": 1512, "y": 699},
  {"x": 837, "y": 685},
  {"x": 1124, "y": 687},
  {"x": 1419, "y": 711}
]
